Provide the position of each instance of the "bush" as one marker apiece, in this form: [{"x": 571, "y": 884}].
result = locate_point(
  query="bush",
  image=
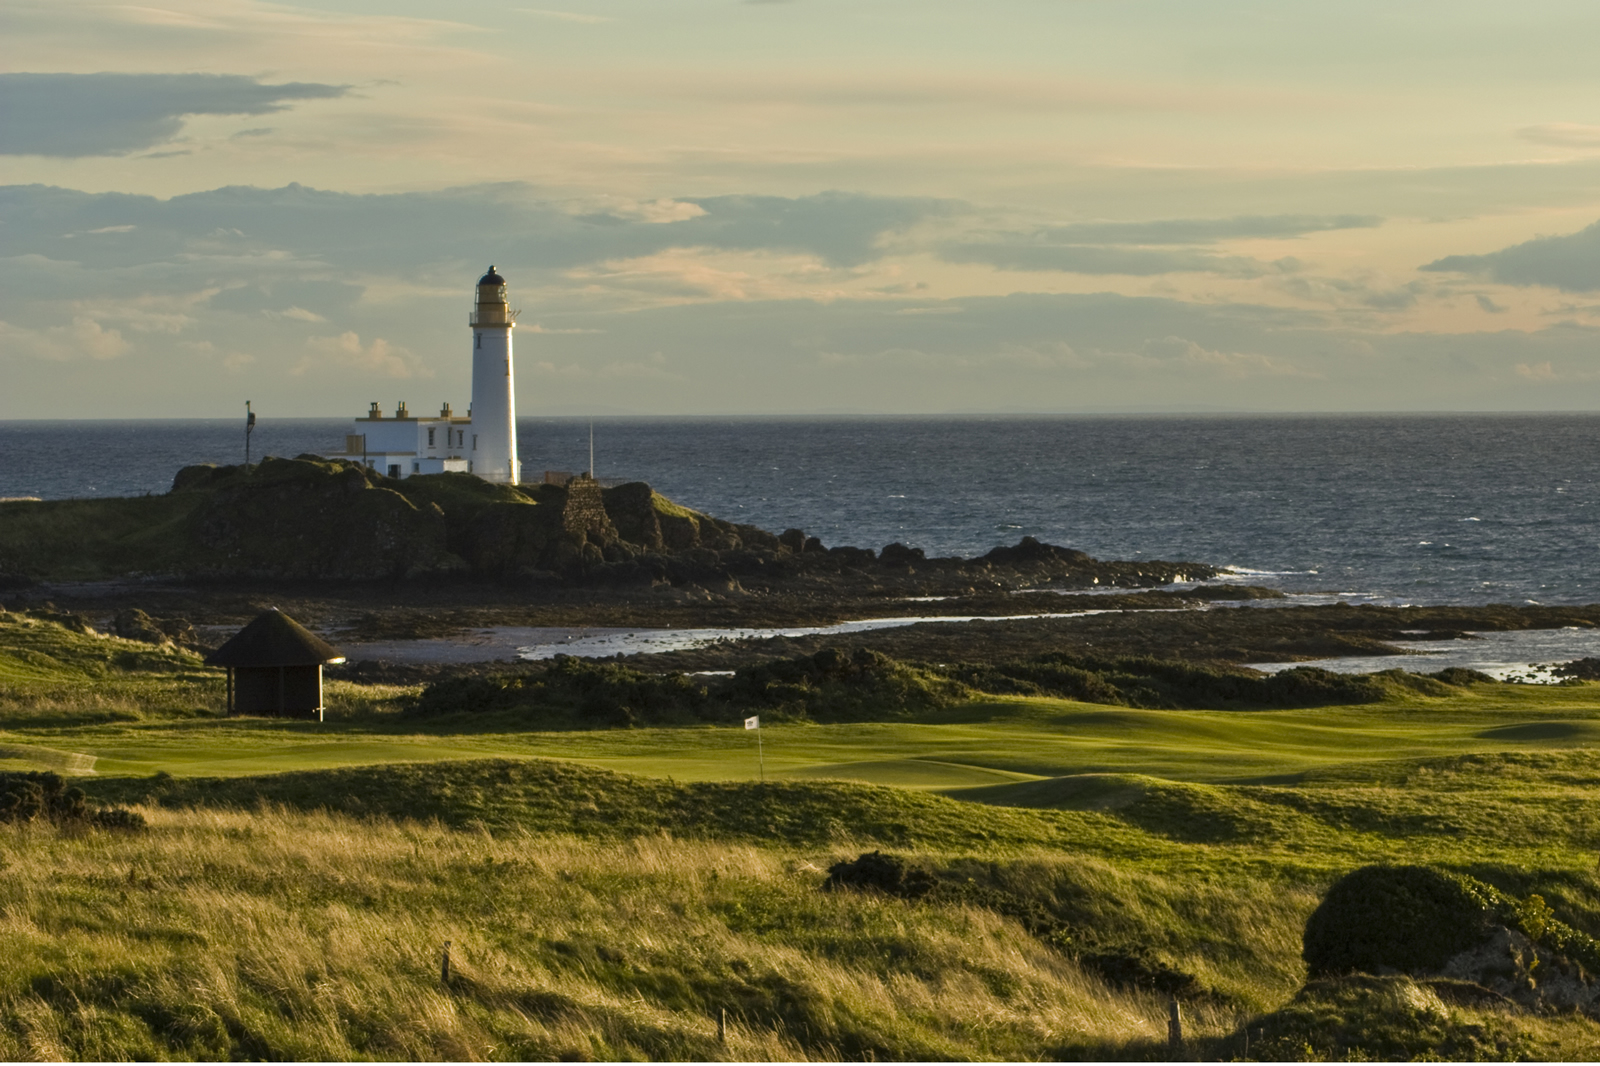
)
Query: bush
[
  {"x": 874, "y": 870},
  {"x": 572, "y": 692},
  {"x": 839, "y": 686},
  {"x": 32, "y": 795},
  {"x": 1164, "y": 684},
  {"x": 1410, "y": 919}
]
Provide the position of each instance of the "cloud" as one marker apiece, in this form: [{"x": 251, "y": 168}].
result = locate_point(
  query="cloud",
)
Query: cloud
[
  {"x": 84, "y": 337},
  {"x": 1537, "y": 372},
  {"x": 1570, "y": 263},
  {"x": 1090, "y": 259},
  {"x": 1146, "y": 249},
  {"x": 72, "y": 115},
  {"x": 347, "y": 352},
  {"x": 1562, "y": 134},
  {"x": 412, "y": 233},
  {"x": 1205, "y": 230}
]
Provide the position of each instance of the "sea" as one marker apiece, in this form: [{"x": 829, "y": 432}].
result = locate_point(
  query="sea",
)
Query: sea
[{"x": 1424, "y": 509}]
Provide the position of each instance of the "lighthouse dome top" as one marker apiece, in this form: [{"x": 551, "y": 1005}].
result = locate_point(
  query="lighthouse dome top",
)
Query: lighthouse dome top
[{"x": 491, "y": 278}]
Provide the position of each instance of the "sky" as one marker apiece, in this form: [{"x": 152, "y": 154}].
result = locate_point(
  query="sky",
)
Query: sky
[{"x": 804, "y": 207}]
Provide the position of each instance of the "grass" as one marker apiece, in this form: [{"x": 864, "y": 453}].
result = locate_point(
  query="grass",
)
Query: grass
[{"x": 608, "y": 893}]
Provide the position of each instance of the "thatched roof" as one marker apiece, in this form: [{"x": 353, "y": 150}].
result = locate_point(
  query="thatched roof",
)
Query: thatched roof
[{"x": 274, "y": 639}]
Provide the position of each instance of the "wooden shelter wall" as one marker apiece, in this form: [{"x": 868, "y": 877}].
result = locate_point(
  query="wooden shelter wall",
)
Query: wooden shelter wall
[{"x": 289, "y": 690}]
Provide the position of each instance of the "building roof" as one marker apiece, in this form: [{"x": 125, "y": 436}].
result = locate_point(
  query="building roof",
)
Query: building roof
[
  {"x": 491, "y": 278},
  {"x": 274, "y": 639}
]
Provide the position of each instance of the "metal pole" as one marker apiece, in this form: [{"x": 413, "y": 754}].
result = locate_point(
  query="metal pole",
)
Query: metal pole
[
  {"x": 249, "y": 424},
  {"x": 761, "y": 755},
  {"x": 591, "y": 449}
]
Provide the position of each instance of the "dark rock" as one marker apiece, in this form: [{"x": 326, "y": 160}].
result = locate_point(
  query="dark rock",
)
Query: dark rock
[
  {"x": 131, "y": 623},
  {"x": 1585, "y": 669},
  {"x": 1032, "y": 551},
  {"x": 793, "y": 539},
  {"x": 898, "y": 554}
]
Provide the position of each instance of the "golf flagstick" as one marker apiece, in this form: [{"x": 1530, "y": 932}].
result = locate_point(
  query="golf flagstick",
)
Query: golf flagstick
[{"x": 754, "y": 722}]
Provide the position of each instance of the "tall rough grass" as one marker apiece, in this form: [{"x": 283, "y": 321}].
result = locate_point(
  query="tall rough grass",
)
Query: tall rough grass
[{"x": 224, "y": 934}]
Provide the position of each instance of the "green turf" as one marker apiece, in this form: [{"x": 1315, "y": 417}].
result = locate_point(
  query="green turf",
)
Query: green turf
[{"x": 1201, "y": 837}]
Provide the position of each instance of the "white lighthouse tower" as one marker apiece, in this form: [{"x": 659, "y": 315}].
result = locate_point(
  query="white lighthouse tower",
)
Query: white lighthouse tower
[{"x": 494, "y": 395}]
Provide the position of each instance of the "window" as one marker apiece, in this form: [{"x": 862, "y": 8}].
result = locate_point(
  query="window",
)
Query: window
[
  {"x": 477, "y": 340},
  {"x": 416, "y": 468},
  {"x": 394, "y": 469},
  {"x": 430, "y": 438},
  {"x": 474, "y": 442}
]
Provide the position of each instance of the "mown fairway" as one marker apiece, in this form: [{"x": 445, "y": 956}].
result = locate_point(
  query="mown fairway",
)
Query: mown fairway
[
  {"x": 984, "y": 743},
  {"x": 610, "y": 892}
]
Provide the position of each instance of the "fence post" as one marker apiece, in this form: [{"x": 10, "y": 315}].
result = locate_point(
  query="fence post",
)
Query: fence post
[
  {"x": 722, "y": 1026},
  {"x": 1174, "y": 1027},
  {"x": 444, "y": 965}
]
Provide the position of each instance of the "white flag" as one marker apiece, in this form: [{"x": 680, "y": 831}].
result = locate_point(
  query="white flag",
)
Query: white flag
[{"x": 753, "y": 722}]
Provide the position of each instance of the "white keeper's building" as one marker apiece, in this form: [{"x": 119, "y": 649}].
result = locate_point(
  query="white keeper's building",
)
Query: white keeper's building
[{"x": 484, "y": 442}]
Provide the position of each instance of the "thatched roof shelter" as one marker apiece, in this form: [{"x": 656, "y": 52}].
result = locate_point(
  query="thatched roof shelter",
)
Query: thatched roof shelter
[{"x": 275, "y": 667}]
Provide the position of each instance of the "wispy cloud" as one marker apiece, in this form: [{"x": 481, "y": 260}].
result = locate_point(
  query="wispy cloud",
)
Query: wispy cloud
[
  {"x": 1205, "y": 230},
  {"x": 1564, "y": 134},
  {"x": 74, "y": 115}
]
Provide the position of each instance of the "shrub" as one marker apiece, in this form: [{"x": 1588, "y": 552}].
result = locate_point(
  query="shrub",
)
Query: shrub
[
  {"x": 835, "y": 686},
  {"x": 888, "y": 874},
  {"x": 32, "y": 795},
  {"x": 1165, "y": 684},
  {"x": 1410, "y": 919},
  {"x": 571, "y": 692}
]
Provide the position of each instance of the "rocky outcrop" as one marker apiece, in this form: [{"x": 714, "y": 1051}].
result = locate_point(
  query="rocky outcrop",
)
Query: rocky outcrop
[
  {"x": 298, "y": 518},
  {"x": 131, "y": 623},
  {"x": 310, "y": 518}
]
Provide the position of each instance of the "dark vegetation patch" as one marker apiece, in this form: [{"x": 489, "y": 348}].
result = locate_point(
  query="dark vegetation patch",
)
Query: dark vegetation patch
[
  {"x": 569, "y": 692},
  {"x": 1143, "y": 681},
  {"x": 1414, "y": 919},
  {"x": 863, "y": 685},
  {"x": 33, "y": 796}
]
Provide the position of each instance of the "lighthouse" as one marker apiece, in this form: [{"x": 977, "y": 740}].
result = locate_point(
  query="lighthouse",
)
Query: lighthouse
[
  {"x": 484, "y": 442},
  {"x": 493, "y": 453}
]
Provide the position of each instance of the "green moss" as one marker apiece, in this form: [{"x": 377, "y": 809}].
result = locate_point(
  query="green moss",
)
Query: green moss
[{"x": 674, "y": 510}]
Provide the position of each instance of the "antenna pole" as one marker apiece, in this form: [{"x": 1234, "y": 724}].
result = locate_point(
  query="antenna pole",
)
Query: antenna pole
[
  {"x": 591, "y": 448},
  {"x": 249, "y": 424}
]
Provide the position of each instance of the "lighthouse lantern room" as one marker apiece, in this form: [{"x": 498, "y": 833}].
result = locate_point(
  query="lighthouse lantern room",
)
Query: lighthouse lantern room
[{"x": 485, "y": 441}]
